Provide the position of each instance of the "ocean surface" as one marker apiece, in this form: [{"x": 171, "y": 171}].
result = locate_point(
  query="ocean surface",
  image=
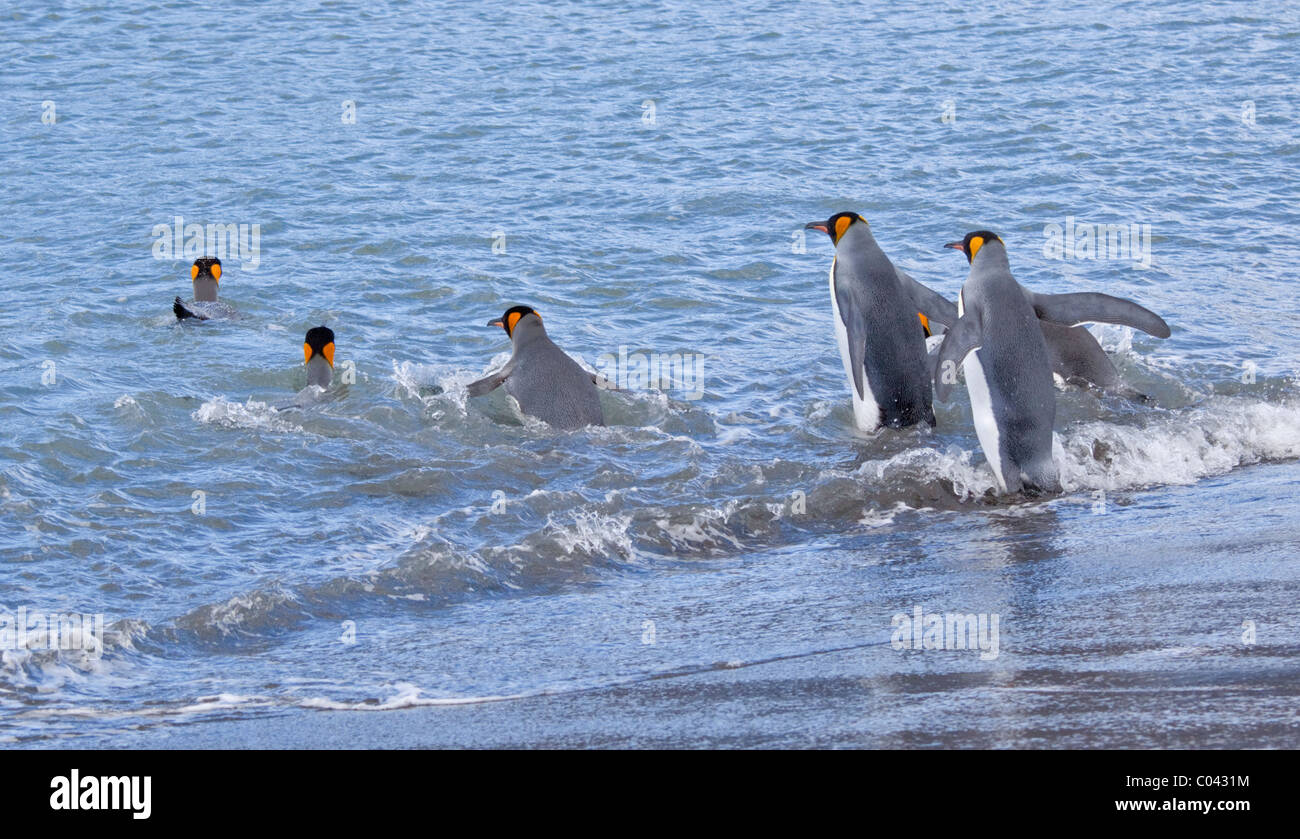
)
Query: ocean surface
[{"x": 389, "y": 563}]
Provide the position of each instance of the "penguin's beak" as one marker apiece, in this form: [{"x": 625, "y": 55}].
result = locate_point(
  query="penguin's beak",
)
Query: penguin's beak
[
  {"x": 957, "y": 246},
  {"x": 496, "y": 322},
  {"x": 817, "y": 225}
]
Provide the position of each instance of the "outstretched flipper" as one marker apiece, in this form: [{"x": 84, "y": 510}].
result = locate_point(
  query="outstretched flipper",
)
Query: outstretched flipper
[
  {"x": 178, "y": 308},
  {"x": 490, "y": 383},
  {"x": 962, "y": 339},
  {"x": 929, "y": 303},
  {"x": 1092, "y": 307}
]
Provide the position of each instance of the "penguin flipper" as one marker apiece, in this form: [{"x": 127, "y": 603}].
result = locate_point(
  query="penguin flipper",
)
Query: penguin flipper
[
  {"x": 960, "y": 341},
  {"x": 929, "y": 302},
  {"x": 490, "y": 383},
  {"x": 1092, "y": 307},
  {"x": 849, "y": 300},
  {"x": 178, "y": 309},
  {"x": 1076, "y": 356}
]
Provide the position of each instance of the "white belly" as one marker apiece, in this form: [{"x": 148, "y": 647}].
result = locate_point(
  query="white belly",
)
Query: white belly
[
  {"x": 866, "y": 413},
  {"x": 981, "y": 406}
]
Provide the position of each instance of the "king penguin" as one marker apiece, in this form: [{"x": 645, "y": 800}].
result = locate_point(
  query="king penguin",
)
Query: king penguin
[
  {"x": 206, "y": 275},
  {"x": 318, "y": 355},
  {"x": 881, "y": 319},
  {"x": 545, "y": 382},
  {"x": 1000, "y": 346}
]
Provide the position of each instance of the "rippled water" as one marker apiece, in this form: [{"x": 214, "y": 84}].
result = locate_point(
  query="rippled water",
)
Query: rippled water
[{"x": 641, "y": 176}]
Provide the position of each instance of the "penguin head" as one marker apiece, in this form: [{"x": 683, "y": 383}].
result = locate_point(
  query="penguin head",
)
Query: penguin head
[
  {"x": 973, "y": 242},
  {"x": 206, "y": 268},
  {"x": 319, "y": 343},
  {"x": 511, "y": 318},
  {"x": 836, "y": 226}
]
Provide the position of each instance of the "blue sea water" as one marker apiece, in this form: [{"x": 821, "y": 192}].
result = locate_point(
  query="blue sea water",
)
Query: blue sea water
[{"x": 721, "y": 570}]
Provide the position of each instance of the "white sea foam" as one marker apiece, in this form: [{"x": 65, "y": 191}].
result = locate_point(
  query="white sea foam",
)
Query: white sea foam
[
  {"x": 250, "y": 414},
  {"x": 48, "y": 671},
  {"x": 249, "y": 612},
  {"x": 929, "y": 465},
  {"x": 706, "y": 528},
  {"x": 1170, "y": 448},
  {"x": 1181, "y": 447},
  {"x": 407, "y": 696},
  {"x": 438, "y": 388},
  {"x": 881, "y": 518},
  {"x": 593, "y": 533}
]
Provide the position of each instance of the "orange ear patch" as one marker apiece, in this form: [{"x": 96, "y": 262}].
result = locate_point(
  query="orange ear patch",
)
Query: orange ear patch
[
  {"x": 216, "y": 271},
  {"x": 976, "y": 243},
  {"x": 510, "y": 324},
  {"x": 194, "y": 271},
  {"x": 327, "y": 352},
  {"x": 842, "y": 225}
]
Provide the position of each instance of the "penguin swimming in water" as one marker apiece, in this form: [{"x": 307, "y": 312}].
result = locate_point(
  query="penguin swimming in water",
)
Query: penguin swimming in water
[
  {"x": 206, "y": 275},
  {"x": 1000, "y": 346},
  {"x": 318, "y": 355},
  {"x": 545, "y": 382},
  {"x": 881, "y": 318}
]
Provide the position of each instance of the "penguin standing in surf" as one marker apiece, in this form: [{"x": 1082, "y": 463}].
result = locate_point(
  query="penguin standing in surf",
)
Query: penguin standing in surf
[
  {"x": 545, "y": 382},
  {"x": 1000, "y": 346},
  {"x": 881, "y": 319}
]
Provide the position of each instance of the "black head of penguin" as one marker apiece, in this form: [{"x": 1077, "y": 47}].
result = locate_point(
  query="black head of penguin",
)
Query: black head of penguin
[
  {"x": 973, "y": 242},
  {"x": 511, "y": 318},
  {"x": 318, "y": 343},
  {"x": 206, "y": 268},
  {"x": 836, "y": 226}
]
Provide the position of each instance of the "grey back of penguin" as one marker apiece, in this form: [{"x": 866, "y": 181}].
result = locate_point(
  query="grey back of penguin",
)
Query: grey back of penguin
[
  {"x": 1017, "y": 368},
  {"x": 205, "y": 289},
  {"x": 548, "y": 384},
  {"x": 879, "y": 310},
  {"x": 319, "y": 372}
]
